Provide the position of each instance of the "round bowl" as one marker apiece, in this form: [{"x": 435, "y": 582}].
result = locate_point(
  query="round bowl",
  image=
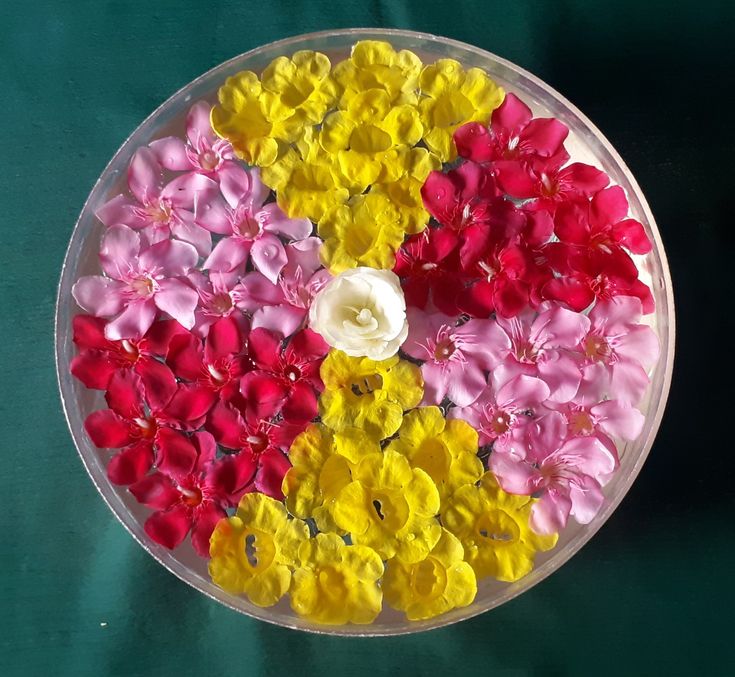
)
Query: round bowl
[{"x": 585, "y": 143}]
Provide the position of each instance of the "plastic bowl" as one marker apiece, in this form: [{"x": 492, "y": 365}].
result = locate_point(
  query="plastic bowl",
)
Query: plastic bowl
[{"x": 585, "y": 144}]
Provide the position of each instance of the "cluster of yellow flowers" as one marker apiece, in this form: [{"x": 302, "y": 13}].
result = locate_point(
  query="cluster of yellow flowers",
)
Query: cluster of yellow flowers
[
  {"x": 349, "y": 147},
  {"x": 399, "y": 498}
]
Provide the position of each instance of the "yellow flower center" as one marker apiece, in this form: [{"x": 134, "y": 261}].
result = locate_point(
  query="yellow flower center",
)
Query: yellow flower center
[
  {"x": 429, "y": 578},
  {"x": 452, "y": 109},
  {"x": 259, "y": 549},
  {"x": 389, "y": 509},
  {"x": 497, "y": 526},
  {"x": 434, "y": 458}
]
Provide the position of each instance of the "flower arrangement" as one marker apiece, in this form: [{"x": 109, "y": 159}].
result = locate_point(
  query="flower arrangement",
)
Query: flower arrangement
[{"x": 366, "y": 336}]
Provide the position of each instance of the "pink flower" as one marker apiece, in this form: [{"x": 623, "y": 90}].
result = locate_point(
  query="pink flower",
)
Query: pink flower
[
  {"x": 139, "y": 283},
  {"x": 286, "y": 380},
  {"x": 144, "y": 427},
  {"x": 202, "y": 153},
  {"x": 512, "y": 135},
  {"x": 250, "y": 227},
  {"x": 455, "y": 357},
  {"x": 187, "y": 496},
  {"x": 565, "y": 475},
  {"x": 615, "y": 352},
  {"x": 99, "y": 358},
  {"x": 159, "y": 211},
  {"x": 501, "y": 417},
  {"x": 219, "y": 297},
  {"x": 542, "y": 346},
  {"x": 260, "y": 463}
]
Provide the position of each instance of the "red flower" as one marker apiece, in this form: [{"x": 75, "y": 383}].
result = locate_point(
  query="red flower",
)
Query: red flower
[
  {"x": 260, "y": 463},
  {"x": 187, "y": 496},
  {"x": 513, "y": 135},
  {"x": 284, "y": 380},
  {"x": 428, "y": 265},
  {"x": 143, "y": 430},
  {"x": 99, "y": 358},
  {"x": 218, "y": 364}
]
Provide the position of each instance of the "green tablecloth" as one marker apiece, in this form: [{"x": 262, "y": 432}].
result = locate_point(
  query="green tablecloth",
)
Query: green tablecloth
[{"x": 652, "y": 594}]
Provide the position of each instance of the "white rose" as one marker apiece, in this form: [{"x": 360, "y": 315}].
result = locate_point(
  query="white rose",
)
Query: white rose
[{"x": 362, "y": 312}]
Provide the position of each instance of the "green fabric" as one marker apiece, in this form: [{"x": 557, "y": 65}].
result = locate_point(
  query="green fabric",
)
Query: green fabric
[{"x": 652, "y": 594}]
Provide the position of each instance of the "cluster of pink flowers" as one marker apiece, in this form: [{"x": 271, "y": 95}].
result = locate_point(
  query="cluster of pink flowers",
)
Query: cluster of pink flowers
[
  {"x": 525, "y": 307},
  {"x": 201, "y": 347}
]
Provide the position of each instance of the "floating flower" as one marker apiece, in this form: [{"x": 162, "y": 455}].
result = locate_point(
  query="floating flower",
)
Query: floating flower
[
  {"x": 253, "y": 552},
  {"x": 453, "y": 97},
  {"x": 440, "y": 582},
  {"x": 186, "y": 496},
  {"x": 157, "y": 211},
  {"x": 374, "y": 64},
  {"x": 492, "y": 525},
  {"x": 322, "y": 463},
  {"x": 365, "y": 232},
  {"x": 362, "y": 393},
  {"x": 254, "y": 115},
  {"x": 284, "y": 381},
  {"x": 390, "y": 507},
  {"x": 202, "y": 152},
  {"x": 139, "y": 283},
  {"x": 361, "y": 312},
  {"x": 250, "y": 227},
  {"x": 336, "y": 583},
  {"x": 455, "y": 358},
  {"x": 445, "y": 450}
]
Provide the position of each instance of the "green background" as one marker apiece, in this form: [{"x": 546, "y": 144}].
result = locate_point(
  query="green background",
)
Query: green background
[{"x": 652, "y": 594}]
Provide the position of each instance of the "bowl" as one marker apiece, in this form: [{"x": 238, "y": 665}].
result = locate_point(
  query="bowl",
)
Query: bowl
[{"x": 585, "y": 143}]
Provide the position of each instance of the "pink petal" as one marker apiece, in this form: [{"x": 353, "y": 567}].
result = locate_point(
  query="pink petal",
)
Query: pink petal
[
  {"x": 562, "y": 375},
  {"x": 228, "y": 254},
  {"x": 303, "y": 255},
  {"x": 283, "y": 320},
  {"x": 119, "y": 251},
  {"x": 170, "y": 257},
  {"x": 465, "y": 384},
  {"x": 176, "y": 456},
  {"x": 523, "y": 392},
  {"x": 198, "y": 127},
  {"x": 436, "y": 382},
  {"x": 155, "y": 491},
  {"x": 121, "y": 210},
  {"x": 268, "y": 256},
  {"x": 169, "y": 528},
  {"x": 587, "y": 499},
  {"x": 559, "y": 328},
  {"x": 275, "y": 221},
  {"x": 549, "y": 515},
  {"x": 618, "y": 420},
  {"x": 178, "y": 300},
  {"x": 207, "y": 516},
  {"x": 186, "y": 190},
  {"x": 133, "y": 322},
  {"x": 614, "y": 316},
  {"x": 513, "y": 474},
  {"x": 145, "y": 176},
  {"x": 194, "y": 235},
  {"x": 131, "y": 464},
  {"x": 239, "y": 185},
  {"x": 214, "y": 214},
  {"x": 585, "y": 456},
  {"x": 629, "y": 382},
  {"x": 638, "y": 343},
  {"x": 99, "y": 295},
  {"x": 107, "y": 430},
  {"x": 170, "y": 153}
]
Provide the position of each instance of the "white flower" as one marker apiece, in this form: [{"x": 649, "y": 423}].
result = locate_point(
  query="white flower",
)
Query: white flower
[{"x": 362, "y": 312}]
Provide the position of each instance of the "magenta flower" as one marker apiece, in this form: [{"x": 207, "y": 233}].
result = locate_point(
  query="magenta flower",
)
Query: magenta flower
[
  {"x": 202, "y": 153},
  {"x": 501, "y": 417},
  {"x": 541, "y": 346},
  {"x": 159, "y": 211},
  {"x": 455, "y": 358},
  {"x": 616, "y": 351},
  {"x": 250, "y": 227},
  {"x": 139, "y": 283}
]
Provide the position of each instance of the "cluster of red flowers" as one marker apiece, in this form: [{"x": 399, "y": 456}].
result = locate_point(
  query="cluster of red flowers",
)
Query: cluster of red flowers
[
  {"x": 198, "y": 422},
  {"x": 517, "y": 226}
]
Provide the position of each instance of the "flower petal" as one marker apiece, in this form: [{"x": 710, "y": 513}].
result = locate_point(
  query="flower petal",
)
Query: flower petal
[
  {"x": 93, "y": 368},
  {"x": 301, "y": 403},
  {"x": 155, "y": 491},
  {"x": 131, "y": 464},
  {"x": 99, "y": 295},
  {"x": 178, "y": 300},
  {"x": 207, "y": 516},
  {"x": 263, "y": 393},
  {"x": 275, "y": 221},
  {"x": 170, "y": 257},
  {"x": 125, "y": 394},
  {"x": 170, "y": 152},
  {"x": 190, "y": 402},
  {"x": 226, "y": 424},
  {"x": 269, "y": 256},
  {"x": 145, "y": 177},
  {"x": 176, "y": 455},
  {"x": 169, "y": 528},
  {"x": 159, "y": 382},
  {"x": 228, "y": 254},
  {"x": 107, "y": 430},
  {"x": 273, "y": 466},
  {"x": 133, "y": 322}
]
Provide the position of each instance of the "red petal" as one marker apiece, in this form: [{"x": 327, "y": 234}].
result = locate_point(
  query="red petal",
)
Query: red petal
[
  {"x": 440, "y": 197},
  {"x": 571, "y": 224},
  {"x": 545, "y": 135},
  {"x": 416, "y": 292},
  {"x": 283, "y": 435},
  {"x": 107, "y": 430},
  {"x": 264, "y": 347},
  {"x": 158, "y": 337},
  {"x": 473, "y": 182},
  {"x": 89, "y": 332},
  {"x": 445, "y": 293},
  {"x": 510, "y": 297},
  {"x": 477, "y": 301},
  {"x": 131, "y": 464},
  {"x": 205, "y": 520},
  {"x": 206, "y": 447},
  {"x": 224, "y": 338},
  {"x": 169, "y": 528},
  {"x": 306, "y": 345},
  {"x": 640, "y": 290},
  {"x": 125, "y": 394},
  {"x": 93, "y": 368},
  {"x": 273, "y": 466},
  {"x": 301, "y": 403},
  {"x": 585, "y": 178},
  {"x": 570, "y": 290},
  {"x": 515, "y": 179},
  {"x": 263, "y": 392},
  {"x": 475, "y": 241},
  {"x": 631, "y": 234},
  {"x": 184, "y": 356},
  {"x": 608, "y": 206},
  {"x": 226, "y": 424},
  {"x": 155, "y": 491},
  {"x": 539, "y": 228},
  {"x": 511, "y": 115},
  {"x": 473, "y": 142},
  {"x": 189, "y": 403},
  {"x": 229, "y": 477},
  {"x": 176, "y": 456},
  {"x": 158, "y": 380}
]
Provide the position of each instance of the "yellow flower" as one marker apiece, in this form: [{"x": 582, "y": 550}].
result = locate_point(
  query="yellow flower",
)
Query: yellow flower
[
  {"x": 390, "y": 507},
  {"x": 260, "y": 116},
  {"x": 440, "y": 582},
  {"x": 252, "y": 552},
  {"x": 453, "y": 97},
  {"x": 493, "y": 528},
  {"x": 362, "y": 393},
  {"x": 365, "y": 232},
  {"x": 405, "y": 193},
  {"x": 337, "y": 583},
  {"x": 446, "y": 450},
  {"x": 376, "y": 65},
  {"x": 322, "y": 463}
]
